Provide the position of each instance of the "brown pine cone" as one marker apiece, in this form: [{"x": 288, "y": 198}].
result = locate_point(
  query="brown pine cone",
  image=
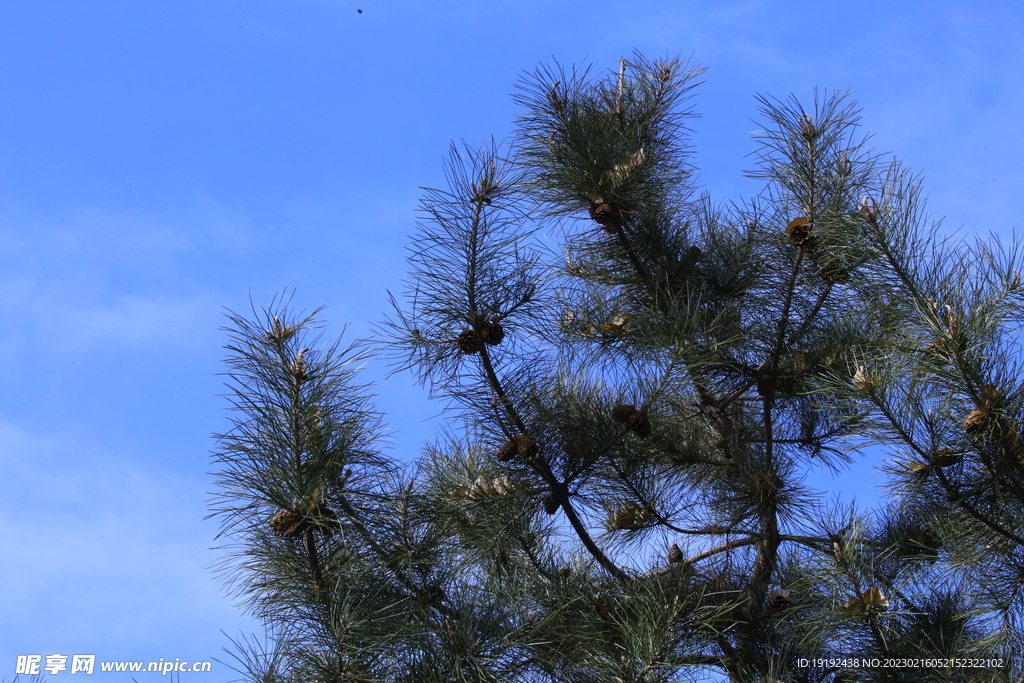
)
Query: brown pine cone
[
  {"x": 639, "y": 423},
  {"x": 492, "y": 333},
  {"x": 976, "y": 421},
  {"x": 945, "y": 457},
  {"x": 624, "y": 412},
  {"x": 675, "y": 554},
  {"x": 799, "y": 231},
  {"x": 604, "y": 606},
  {"x": 779, "y": 600},
  {"x": 551, "y": 504},
  {"x": 605, "y": 214},
  {"x": 766, "y": 386},
  {"x": 521, "y": 444},
  {"x": 470, "y": 341},
  {"x": 508, "y": 452},
  {"x": 623, "y": 518},
  {"x": 288, "y": 523},
  {"x": 525, "y": 445}
]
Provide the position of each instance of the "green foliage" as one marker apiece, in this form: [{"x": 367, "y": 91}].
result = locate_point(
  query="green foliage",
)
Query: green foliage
[{"x": 622, "y": 498}]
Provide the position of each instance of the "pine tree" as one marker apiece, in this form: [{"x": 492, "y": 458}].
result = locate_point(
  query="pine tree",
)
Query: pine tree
[{"x": 620, "y": 496}]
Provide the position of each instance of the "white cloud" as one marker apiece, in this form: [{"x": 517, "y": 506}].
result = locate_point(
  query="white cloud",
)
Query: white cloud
[
  {"x": 103, "y": 279},
  {"x": 104, "y": 553}
]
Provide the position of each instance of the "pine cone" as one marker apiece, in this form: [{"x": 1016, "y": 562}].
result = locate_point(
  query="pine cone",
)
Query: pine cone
[
  {"x": 766, "y": 386},
  {"x": 629, "y": 516},
  {"x": 1015, "y": 443},
  {"x": 991, "y": 395},
  {"x": 508, "y": 451},
  {"x": 765, "y": 484},
  {"x": 604, "y": 606},
  {"x": 644, "y": 516},
  {"x": 605, "y": 214},
  {"x": 863, "y": 382},
  {"x": 479, "y": 489},
  {"x": 551, "y": 504},
  {"x": 525, "y": 445},
  {"x": 976, "y": 421},
  {"x": 807, "y": 129},
  {"x": 470, "y": 341},
  {"x": 871, "y": 600},
  {"x": 639, "y": 423},
  {"x": 288, "y": 523},
  {"x": 779, "y": 600},
  {"x": 799, "y": 231},
  {"x": 844, "y": 165},
  {"x": 675, "y": 554},
  {"x": 623, "y": 518},
  {"x": 624, "y": 412},
  {"x": 945, "y": 457},
  {"x": 765, "y": 376},
  {"x": 869, "y": 209},
  {"x": 300, "y": 366},
  {"x": 521, "y": 444},
  {"x": 492, "y": 333},
  {"x": 279, "y": 332}
]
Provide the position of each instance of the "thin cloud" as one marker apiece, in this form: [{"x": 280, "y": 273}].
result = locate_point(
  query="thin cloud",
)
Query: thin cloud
[{"x": 79, "y": 525}]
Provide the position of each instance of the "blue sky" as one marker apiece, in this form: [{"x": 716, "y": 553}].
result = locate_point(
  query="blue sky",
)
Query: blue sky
[{"x": 162, "y": 160}]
